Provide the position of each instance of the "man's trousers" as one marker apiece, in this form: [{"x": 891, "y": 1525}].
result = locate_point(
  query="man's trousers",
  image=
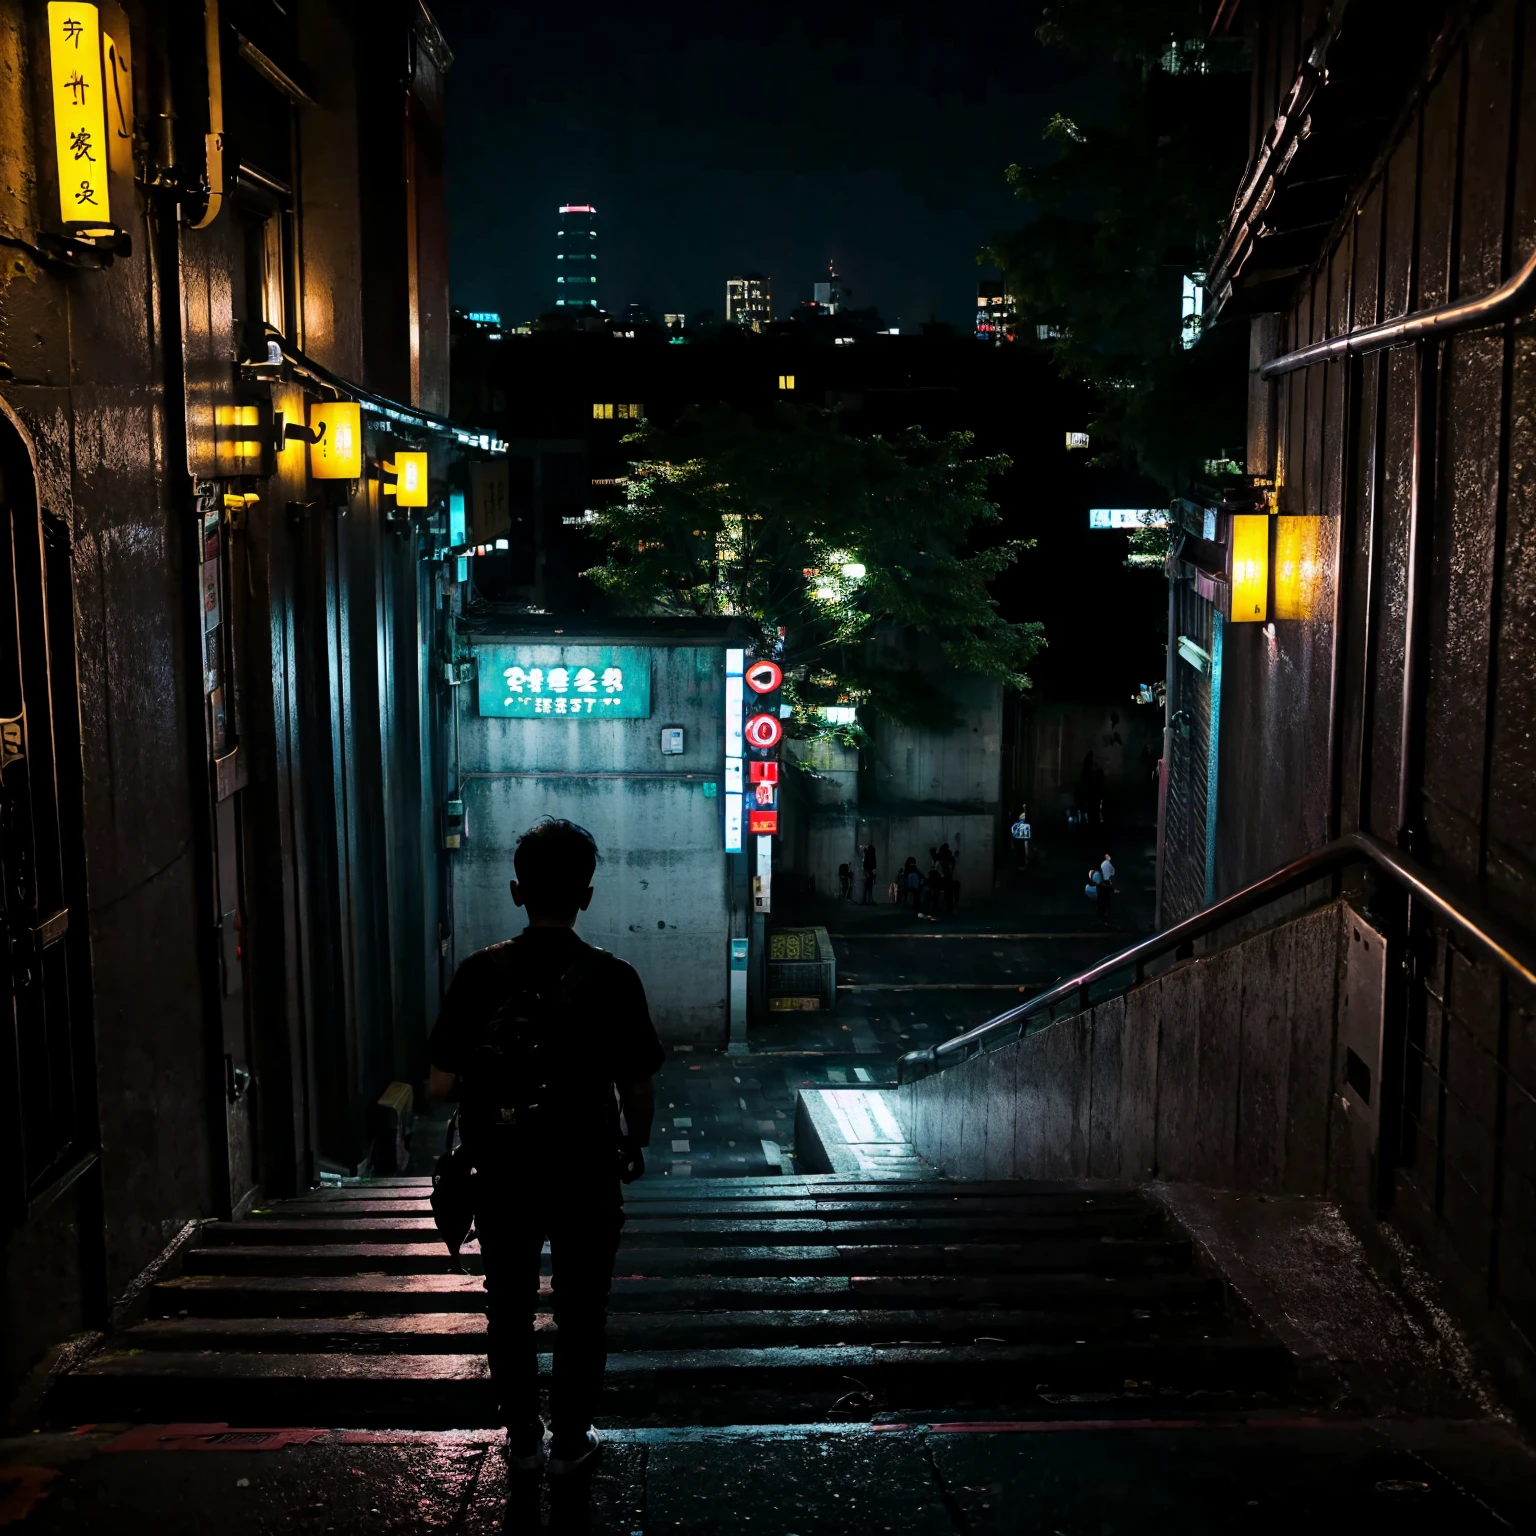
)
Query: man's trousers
[{"x": 581, "y": 1225}]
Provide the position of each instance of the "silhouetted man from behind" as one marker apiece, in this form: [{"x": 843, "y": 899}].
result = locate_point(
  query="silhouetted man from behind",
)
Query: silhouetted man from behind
[{"x": 549, "y": 1039}]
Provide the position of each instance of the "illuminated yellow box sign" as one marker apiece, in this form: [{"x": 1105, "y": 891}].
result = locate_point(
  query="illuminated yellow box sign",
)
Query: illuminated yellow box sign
[
  {"x": 338, "y": 452},
  {"x": 1250, "y": 568},
  {"x": 410, "y": 487},
  {"x": 79, "y": 114},
  {"x": 1296, "y": 569}
]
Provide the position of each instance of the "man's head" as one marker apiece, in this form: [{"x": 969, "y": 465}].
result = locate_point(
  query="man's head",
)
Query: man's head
[{"x": 555, "y": 860}]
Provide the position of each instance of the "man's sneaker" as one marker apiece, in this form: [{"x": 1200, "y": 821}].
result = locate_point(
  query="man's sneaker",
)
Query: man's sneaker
[
  {"x": 566, "y": 1457},
  {"x": 525, "y": 1447}
]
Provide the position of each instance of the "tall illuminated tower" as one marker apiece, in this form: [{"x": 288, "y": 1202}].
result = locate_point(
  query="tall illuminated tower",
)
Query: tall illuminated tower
[{"x": 576, "y": 257}]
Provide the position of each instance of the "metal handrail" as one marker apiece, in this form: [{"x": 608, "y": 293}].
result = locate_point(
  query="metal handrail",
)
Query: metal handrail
[
  {"x": 1354, "y": 848},
  {"x": 1509, "y": 298}
]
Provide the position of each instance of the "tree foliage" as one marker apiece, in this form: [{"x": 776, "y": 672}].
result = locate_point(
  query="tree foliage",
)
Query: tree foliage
[
  {"x": 1134, "y": 198},
  {"x": 831, "y": 540}
]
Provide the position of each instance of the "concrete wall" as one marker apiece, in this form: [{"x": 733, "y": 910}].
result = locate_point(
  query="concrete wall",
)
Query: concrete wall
[
  {"x": 917, "y": 789},
  {"x": 661, "y": 899},
  {"x": 1126, "y": 742},
  {"x": 960, "y": 766},
  {"x": 1218, "y": 1072}
]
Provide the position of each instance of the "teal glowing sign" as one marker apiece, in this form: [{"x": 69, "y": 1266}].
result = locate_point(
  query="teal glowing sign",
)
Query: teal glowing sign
[{"x": 564, "y": 682}]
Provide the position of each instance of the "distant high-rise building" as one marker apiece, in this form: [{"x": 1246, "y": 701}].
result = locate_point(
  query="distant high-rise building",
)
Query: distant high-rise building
[
  {"x": 749, "y": 301},
  {"x": 828, "y": 296},
  {"x": 576, "y": 257},
  {"x": 996, "y": 313}
]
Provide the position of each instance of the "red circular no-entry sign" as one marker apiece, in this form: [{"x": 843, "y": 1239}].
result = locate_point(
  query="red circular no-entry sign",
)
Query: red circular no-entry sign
[
  {"x": 764, "y": 676},
  {"x": 763, "y": 731}
]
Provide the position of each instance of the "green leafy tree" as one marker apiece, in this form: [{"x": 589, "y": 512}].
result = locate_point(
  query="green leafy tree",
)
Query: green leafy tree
[
  {"x": 1133, "y": 200},
  {"x": 832, "y": 541}
]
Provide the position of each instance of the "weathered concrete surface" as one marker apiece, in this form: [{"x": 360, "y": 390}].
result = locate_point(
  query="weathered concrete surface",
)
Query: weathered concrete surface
[
  {"x": 1217, "y": 1072},
  {"x": 852, "y": 1130},
  {"x": 1306, "y": 1275},
  {"x": 931, "y": 1478},
  {"x": 661, "y": 886}
]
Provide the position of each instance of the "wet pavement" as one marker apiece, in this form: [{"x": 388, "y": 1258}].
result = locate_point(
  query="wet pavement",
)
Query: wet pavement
[{"x": 1065, "y": 1476}]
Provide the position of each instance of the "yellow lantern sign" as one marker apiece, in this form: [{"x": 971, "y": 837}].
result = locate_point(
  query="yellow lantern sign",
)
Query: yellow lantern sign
[
  {"x": 1297, "y": 572},
  {"x": 79, "y": 116},
  {"x": 1250, "y": 568},
  {"x": 337, "y": 450},
  {"x": 410, "y": 472}
]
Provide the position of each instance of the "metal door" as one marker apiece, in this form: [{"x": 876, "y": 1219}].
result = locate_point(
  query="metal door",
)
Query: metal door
[
  {"x": 47, "y": 1108},
  {"x": 224, "y": 585}
]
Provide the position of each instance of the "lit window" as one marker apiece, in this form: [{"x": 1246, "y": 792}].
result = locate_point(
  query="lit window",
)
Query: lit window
[
  {"x": 602, "y": 413},
  {"x": 786, "y": 381},
  {"x": 1077, "y": 439},
  {"x": 626, "y": 412}
]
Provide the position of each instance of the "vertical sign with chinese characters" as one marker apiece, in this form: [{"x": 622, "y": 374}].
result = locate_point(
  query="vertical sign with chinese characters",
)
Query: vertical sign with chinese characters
[
  {"x": 79, "y": 114},
  {"x": 554, "y": 682},
  {"x": 735, "y": 662}
]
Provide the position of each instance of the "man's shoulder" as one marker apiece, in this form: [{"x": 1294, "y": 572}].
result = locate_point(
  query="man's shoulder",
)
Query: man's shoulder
[{"x": 484, "y": 961}]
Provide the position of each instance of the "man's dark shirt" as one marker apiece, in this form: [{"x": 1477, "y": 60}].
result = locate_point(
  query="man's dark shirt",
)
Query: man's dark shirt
[{"x": 611, "y": 1041}]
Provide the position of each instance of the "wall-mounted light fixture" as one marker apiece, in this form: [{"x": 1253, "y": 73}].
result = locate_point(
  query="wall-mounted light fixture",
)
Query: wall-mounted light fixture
[
  {"x": 337, "y": 450},
  {"x": 1250, "y": 568},
  {"x": 409, "y": 487}
]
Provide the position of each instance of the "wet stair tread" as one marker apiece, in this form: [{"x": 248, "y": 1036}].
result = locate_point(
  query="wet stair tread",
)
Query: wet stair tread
[
  {"x": 805, "y": 1258},
  {"x": 829, "y": 1207},
  {"x": 1139, "y": 1354},
  {"x": 453, "y": 1332},
  {"x": 239, "y": 1295},
  {"x": 893, "y": 1228}
]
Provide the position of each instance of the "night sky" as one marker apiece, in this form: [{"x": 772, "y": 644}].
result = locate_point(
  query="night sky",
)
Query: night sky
[{"x": 715, "y": 140}]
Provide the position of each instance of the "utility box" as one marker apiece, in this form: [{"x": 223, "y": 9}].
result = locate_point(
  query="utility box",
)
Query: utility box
[
  {"x": 671, "y": 740},
  {"x": 802, "y": 972}
]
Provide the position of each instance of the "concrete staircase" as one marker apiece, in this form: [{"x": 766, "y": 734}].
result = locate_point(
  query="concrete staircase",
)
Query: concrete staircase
[{"x": 784, "y": 1300}]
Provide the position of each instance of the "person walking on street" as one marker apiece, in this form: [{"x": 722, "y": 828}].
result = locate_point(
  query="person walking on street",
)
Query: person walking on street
[
  {"x": 845, "y": 882},
  {"x": 869, "y": 875},
  {"x": 1106, "y": 887},
  {"x": 547, "y": 1044},
  {"x": 911, "y": 884}
]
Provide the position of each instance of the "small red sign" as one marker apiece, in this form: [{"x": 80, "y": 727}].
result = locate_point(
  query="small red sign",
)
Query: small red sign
[
  {"x": 763, "y": 731},
  {"x": 764, "y": 795},
  {"x": 762, "y": 771},
  {"x": 763, "y": 823},
  {"x": 764, "y": 676}
]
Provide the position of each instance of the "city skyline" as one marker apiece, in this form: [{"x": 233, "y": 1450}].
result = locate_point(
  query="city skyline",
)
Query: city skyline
[{"x": 864, "y": 139}]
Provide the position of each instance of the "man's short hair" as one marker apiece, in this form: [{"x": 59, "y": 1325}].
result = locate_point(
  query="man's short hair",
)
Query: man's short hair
[{"x": 555, "y": 861}]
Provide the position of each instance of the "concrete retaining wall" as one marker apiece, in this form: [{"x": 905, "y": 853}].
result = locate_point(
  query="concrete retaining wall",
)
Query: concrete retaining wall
[
  {"x": 1218, "y": 1072},
  {"x": 661, "y": 897}
]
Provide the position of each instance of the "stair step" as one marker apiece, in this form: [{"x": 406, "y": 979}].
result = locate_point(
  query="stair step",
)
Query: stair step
[
  {"x": 333, "y": 1295},
  {"x": 456, "y": 1332},
  {"x": 804, "y": 1259},
  {"x": 1057, "y": 1206},
  {"x": 760, "y": 1300},
  {"x": 664, "y": 1229},
  {"x": 452, "y": 1388},
  {"x": 780, "y": 1187}
]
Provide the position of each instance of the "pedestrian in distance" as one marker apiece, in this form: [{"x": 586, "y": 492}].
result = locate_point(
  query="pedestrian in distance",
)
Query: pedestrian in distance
[
  {"x": 547, "y": 1044},
  {"x": 912, "y": 884},
  {"x": 845, "y": 882},
  {"x": 1106, "y": 887},
  {"x": 869, "y": 875}
]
